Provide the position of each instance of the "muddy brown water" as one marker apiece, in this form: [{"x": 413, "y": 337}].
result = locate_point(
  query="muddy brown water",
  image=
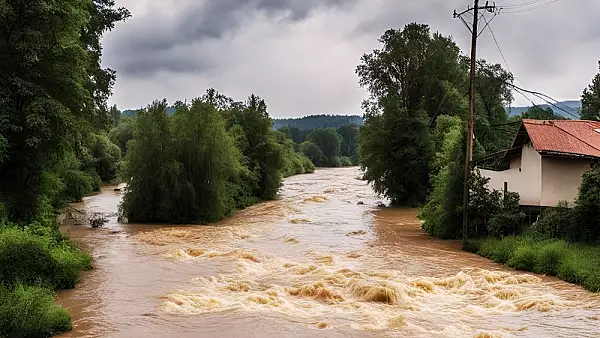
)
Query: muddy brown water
[{"x": 313, "y": 264}]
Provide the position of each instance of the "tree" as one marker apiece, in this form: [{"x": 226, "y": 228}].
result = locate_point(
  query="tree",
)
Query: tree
[
  {"x": 49, "y": 90},
  {"x": 151, "y": 171},
  {"x": 115, "y": 114},
  {"x": 313, "y": 152},
  {"x": 293, "y": 133},
  {"x": 412, "y": 64},
  {"x": 590, "y": 100},
  {"x": 394, "y": 152},
  {"x": 329, "y": 141},
  {"x": 349, "y": 134}
]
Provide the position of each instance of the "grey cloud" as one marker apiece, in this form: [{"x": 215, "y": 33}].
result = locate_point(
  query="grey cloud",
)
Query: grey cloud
[{"x": 150, "y": 41}]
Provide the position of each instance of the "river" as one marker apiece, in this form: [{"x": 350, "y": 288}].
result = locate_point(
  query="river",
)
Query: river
[{"x": 314, "y": 263}]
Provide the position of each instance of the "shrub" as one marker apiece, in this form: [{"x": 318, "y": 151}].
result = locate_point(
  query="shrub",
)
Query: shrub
[
  {"x": 588, "y": 207},
  {"x": 28, "y": 311},
  {"x": 524, "y": 258},
  {"x": 346, "y": 161},
  {"x": 508, "y": 220},
  {"x": 500, "y": 250},
  {"x": 558, "y": 222},
  {"x": 549, "y": 258},
  {"x": 77, "y": 185},
  {"x": 32, "y": 259}
]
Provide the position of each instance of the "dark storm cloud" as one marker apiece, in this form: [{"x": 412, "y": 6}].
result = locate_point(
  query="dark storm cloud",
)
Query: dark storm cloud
[
  {"x": 153, "y": 41},
  {"x": 291, "y": 50}
]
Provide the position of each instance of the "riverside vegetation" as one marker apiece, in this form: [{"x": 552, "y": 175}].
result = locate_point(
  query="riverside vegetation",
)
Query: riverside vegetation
[
  {"x": 59, "y": 141},
  {"x": 412, "y": 150}
]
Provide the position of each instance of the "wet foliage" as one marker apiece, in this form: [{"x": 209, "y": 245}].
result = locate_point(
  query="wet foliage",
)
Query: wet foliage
[{"x": 210, "y": 158}]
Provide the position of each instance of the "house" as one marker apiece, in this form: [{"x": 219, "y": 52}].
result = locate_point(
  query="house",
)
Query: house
[{"x": 546, "y": 161}]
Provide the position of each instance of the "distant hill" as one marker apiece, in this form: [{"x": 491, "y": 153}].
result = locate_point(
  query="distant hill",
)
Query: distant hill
[
  {"x": 570, "y": 106},
  {"x": 133, "y": 112},
  {"x": 318, "y": 121}
]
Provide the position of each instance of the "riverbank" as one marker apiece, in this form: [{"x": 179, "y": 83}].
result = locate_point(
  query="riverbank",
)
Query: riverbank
[
  {"x": 36, "y": 260},
  {"x": 575, "y": 263}
]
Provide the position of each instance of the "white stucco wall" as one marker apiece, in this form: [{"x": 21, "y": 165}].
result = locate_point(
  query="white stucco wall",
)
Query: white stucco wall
[
  {"x": 524, "y": 177},
  {"x": 561, "y": 178}
]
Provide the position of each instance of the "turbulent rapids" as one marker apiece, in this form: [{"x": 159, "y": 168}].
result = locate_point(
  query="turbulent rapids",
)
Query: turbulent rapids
[{"x": 313, "y": 263}]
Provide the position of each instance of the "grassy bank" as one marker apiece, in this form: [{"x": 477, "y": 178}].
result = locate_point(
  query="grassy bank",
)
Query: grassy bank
[
  {"x": 574, "y": 263},
  {"x": 35, "y": 261}
]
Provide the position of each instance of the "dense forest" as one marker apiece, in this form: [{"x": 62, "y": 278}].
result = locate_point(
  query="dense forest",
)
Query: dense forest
[
  {"x": 326, "y": 147},
  {"x": 54, "y": 149},
  {"x": 318, "y": 122}
]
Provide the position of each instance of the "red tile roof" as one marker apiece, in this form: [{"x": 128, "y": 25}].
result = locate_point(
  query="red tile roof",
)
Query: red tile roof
[{"x": 565, "y": 136}]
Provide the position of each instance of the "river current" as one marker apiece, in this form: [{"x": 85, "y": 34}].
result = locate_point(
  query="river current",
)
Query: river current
[{"x": 324, "y": 260}]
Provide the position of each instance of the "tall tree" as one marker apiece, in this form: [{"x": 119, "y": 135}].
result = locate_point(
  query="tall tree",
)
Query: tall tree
[
  {"x": 49, "y": 91},
  {"x": 590, "y": 100},
  {"x": 329, "y": 141},
  {"x": 349, "y": 134},
  {"x": 394, "y": 151}
]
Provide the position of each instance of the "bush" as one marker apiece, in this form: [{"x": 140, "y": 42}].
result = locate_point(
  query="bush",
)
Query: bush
[
  {"x": 346, "y": 161},
  {"x": 558, "y": 222},
  {"x": 31, "y": 259},
  {"x": 574, "y": 263},
  {"x": 28, "y": 311},
  {"x": 523, "y": 258},
  {"x": 588, "y": 208},
  {"x": 77, "y": 185},
  {"x": 549, "y": 258},
  {"x": 499, "y": 250},
  {"x": 509, "y": 219}
]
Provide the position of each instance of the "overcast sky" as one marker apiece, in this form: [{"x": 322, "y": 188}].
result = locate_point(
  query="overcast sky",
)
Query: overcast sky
[{"x": 300, "y": 55}]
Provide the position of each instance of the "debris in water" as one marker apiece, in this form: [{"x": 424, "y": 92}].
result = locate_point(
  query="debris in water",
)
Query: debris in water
[
  {"x": 360, "y": 203},
  {"x": 300, "y": 221},
  {"x": 292, "y": 240},
  {"x": 316, "y": 199},
  {"x": 322, "y": 325},
  {"x": 329, "y": 191},
  {"x": 354, "y": 255},
  {"x": 356, "y": 233}
]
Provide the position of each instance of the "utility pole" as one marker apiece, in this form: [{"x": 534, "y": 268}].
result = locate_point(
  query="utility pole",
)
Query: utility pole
[{"x": 469, "y": 152}]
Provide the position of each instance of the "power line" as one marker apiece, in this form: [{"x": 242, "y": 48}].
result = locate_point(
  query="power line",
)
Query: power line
[
  {"x": 541, "y": 96},
  {"x": 527, "y": 8}
]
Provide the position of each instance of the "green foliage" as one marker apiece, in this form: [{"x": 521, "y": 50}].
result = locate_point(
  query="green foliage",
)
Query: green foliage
[
  {"x": 558, "y": 222},
  {"x": 31, "y": 259},
  {"x": 508, "y": 220},
  {"x": 294, "y": 163},
  {"x": 329, "y": 141},
  {"x": 590, "y": 100},
  {"x": 346, "y": 161},
  {"x": 52, "y": 89},
  {"x": 316, "y": 122},
  {"x": 210, "y": 158},
  {"x": 105, "y": 157},
  {"x": 442, "y": 214},
  {"x": 122, "y": 133},
  {"x": 313, "y": 152},
  {"x": 395, "y": 150},
  {"x": 588, "y": 207},
  {"x": 293, "y": 133},
  {"x": 537, "y": 113},
  {"x": 30, "y": 311},
  {"x": 178, "y": 168},
  {"x": 574, "y": 263},
  {"x": 349, "y": 146}
]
